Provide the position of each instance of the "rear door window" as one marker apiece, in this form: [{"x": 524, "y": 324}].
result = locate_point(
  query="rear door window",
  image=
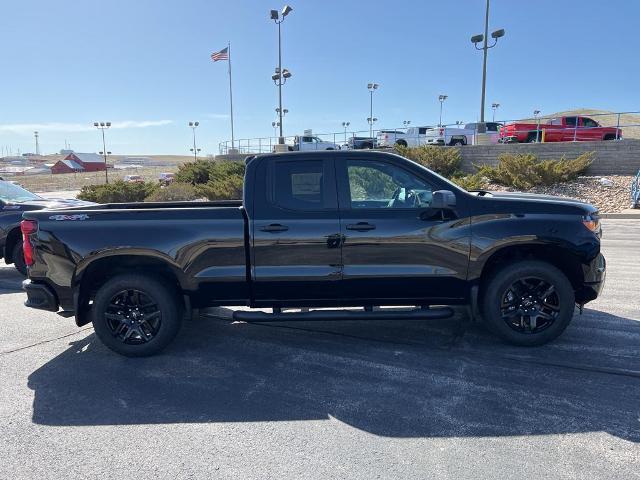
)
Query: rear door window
[{"x": 299, "y": 185}]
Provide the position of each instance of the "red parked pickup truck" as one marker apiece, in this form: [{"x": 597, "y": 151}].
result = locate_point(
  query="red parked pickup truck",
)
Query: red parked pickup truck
[{"x": 561, "y": 129}]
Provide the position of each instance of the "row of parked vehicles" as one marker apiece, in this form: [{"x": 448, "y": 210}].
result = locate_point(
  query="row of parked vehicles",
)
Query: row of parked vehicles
[{"x": 560, "y": 129}]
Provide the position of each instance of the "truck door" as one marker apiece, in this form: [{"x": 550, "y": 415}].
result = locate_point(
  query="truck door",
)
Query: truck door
[
  {"x": 394, "y": 246},
  {"x": 589, "y": 130},
  {"x": 295, "y": 230}
]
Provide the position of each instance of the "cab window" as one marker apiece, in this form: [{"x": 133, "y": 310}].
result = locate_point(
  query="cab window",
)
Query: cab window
[
  {"x": 382, "y": 185},
  {"x": 587, "y": 122}
]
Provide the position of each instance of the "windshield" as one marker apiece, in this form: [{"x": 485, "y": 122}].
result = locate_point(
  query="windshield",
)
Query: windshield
[{"x": 11, "y": 193}]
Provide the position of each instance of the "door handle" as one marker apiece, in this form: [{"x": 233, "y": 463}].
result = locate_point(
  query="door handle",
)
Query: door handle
[
  {"x": 361, "y": 226},
  {"x": 274, "y": 227}
]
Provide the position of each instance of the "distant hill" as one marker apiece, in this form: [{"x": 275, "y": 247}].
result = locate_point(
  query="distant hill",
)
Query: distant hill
[{"x": 604, "y": 118}]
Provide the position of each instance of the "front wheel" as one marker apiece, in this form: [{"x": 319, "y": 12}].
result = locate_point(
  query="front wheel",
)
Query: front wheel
[
  {"x": 136, "y": 315},
  {"x": 528, "y": 303}
]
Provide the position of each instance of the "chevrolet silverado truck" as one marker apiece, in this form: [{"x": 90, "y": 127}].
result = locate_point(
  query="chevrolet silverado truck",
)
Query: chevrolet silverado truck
[
  {"x": 370, "y": 230},
  {"x": 562, "y": 129},
  {"x": 14, "y": 200}
]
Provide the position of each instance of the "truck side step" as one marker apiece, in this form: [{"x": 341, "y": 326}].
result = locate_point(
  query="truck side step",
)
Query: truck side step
[{"x": 387, "y": 314}]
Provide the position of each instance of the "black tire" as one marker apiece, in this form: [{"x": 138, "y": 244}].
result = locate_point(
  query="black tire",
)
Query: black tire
[
  {"x": 608, "y": 137},
  {"x": 457, "y": 143},
  {"x": 505, "y": 306},
  {"x": 533, "y": 138},
  {"x": 136, "y": 331},
  {"x": 401, "y": 143},
  {"x": 18, "y": 259}
]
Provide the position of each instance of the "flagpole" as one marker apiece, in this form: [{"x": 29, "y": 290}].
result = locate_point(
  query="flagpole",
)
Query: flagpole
[{"x": 231, "y": 98}]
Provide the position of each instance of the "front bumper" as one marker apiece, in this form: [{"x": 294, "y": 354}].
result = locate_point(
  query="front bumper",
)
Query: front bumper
[
  {"x": 40, "y": 296},
  {"x": 595, "y": 273}
]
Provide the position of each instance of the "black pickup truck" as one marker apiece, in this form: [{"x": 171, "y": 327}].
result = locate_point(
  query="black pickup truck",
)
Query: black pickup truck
[
  {"x": 14, "y": 200},
  {"x": 319, "y": 229}
]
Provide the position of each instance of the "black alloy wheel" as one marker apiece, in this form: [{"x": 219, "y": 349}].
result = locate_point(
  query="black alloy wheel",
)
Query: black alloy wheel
[
  {"x": 530, "y": 305},
  {"x": 133, "y": 317},
  {"x": 137, "y": 315}
]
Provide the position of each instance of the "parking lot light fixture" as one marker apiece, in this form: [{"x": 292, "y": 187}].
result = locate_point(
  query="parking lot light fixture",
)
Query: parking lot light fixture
[
  {"x": 195, "y": 150},
  {"x": 345, "y": 125},
  {"x": 477, "y": 39},
  {"x": 494, "y": 107},
  {"x": 372, "y": 87},
  {"x": 536, "y": 114},
  {"x": 281, "y": 75},
  {"x": 406, "y": 123},
  {"x": 441, "y": 99},
  {"x": 103, "y": 126}
]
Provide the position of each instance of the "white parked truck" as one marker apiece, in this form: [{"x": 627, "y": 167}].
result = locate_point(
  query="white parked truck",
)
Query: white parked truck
[{"x": 310, "y": 142}]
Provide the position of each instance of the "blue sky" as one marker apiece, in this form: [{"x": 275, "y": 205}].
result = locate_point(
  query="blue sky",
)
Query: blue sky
[{"x": 144, "y": 65}]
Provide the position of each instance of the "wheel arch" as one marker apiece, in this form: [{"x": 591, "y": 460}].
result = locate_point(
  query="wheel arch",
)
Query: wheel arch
[
  {"x": 560, "y": 258},
  {"x": 95, "y": 273}
]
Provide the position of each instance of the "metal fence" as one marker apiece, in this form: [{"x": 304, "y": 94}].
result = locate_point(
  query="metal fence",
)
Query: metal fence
[{"x": 535, "y": 131}]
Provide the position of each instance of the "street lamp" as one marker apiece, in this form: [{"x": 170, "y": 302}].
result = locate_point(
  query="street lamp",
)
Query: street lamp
[
  {"x": 406, "y": 123},
  {"x": 280, "y": 76},
  {"x": 275, "y": 126},
  {"x": 476, "y": 39},
  {"x": 345, "y": 125},
  {"x": 494, "y": 107},
  {"x": 441, "y": 99},
  {"x": 195, "y": 150},
  {"x": 35, "y": 134},
  {"x": 103, "y": 126},
  {"x": 372, "y": 87}
]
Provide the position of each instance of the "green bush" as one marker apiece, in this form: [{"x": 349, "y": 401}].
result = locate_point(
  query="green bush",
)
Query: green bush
[
  {"x": 174, "y": 192},
  {"x": 202, "y": 171},
  {"x": 524, "y": 171},
  {"x": 476, "y": 181},
  {"x": 117, "y": 192},
  {"x": 214, "y": 180},
  {"x": 228, "y": 188},
  {"x": 445, "y": 161}
]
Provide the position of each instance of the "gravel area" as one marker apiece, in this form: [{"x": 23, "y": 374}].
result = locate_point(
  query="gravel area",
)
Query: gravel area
[{"x": 608, "y": 199}]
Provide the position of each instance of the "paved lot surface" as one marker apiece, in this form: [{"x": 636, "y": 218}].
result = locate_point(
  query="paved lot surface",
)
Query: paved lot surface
[{"x": 328, "y": 400}]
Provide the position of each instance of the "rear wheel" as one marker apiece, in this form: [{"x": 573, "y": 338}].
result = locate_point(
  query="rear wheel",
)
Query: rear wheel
[
  {"x": 18, "y": 259},
  {"x": 458, "y": 142},
  {"x": 401, "y": 143},
  {"x": 136, "y": 315},
  {"x": 534, "y": 137},
  {"x": 528, "y": 303}
]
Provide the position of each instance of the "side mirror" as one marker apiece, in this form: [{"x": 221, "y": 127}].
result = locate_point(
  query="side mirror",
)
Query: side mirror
[{"x": 443, "y": 200}]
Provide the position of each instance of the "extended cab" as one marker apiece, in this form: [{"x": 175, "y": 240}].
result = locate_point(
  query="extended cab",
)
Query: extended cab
[
  {"x": 561, "y": 129},
  {"x": 319, "y": 229}
]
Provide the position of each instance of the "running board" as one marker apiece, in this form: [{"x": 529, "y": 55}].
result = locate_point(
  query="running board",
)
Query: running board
[{"x": 415, "y": 314}]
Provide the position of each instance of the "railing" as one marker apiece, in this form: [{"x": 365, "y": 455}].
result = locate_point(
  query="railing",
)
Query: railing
[{"x": 445, "y": 133}]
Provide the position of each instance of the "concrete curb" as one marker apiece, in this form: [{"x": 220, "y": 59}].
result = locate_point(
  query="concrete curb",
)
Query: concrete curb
[{"x": 625, "y": 214}]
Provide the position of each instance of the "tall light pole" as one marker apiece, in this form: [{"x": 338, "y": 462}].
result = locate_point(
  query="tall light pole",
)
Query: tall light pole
[
  {"x": 372, "y": 87},
  {"x": 441, "y": 99},
  {"x": 535, "y": 116},
  {"x": 280, "y": 76},
  {"x": 195, "y": 149},
  {"x": 103, "y": 126},
  {"x": 494, "y": 107},
  {"x": 476, "y": 39},
  {"x": 345, "y": 125},
  {"x": 35, "y": 134}
]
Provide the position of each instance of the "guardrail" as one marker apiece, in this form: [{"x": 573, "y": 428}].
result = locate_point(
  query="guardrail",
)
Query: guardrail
[{"x": 535, "y": 133}]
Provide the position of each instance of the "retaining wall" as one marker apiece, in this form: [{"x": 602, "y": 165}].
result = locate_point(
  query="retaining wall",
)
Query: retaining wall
[{"x": 620, "y": 157}]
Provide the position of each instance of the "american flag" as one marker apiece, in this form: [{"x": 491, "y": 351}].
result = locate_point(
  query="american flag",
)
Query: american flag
[{"x": 221, "y": 55}]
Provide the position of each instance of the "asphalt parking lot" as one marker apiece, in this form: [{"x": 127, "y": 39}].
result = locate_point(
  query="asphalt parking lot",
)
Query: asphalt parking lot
[{"x": 328, "y": 400}]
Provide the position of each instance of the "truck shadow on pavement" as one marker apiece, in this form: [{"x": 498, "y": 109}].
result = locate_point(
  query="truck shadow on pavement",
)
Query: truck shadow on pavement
[{"x": 397, "y": 379}]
